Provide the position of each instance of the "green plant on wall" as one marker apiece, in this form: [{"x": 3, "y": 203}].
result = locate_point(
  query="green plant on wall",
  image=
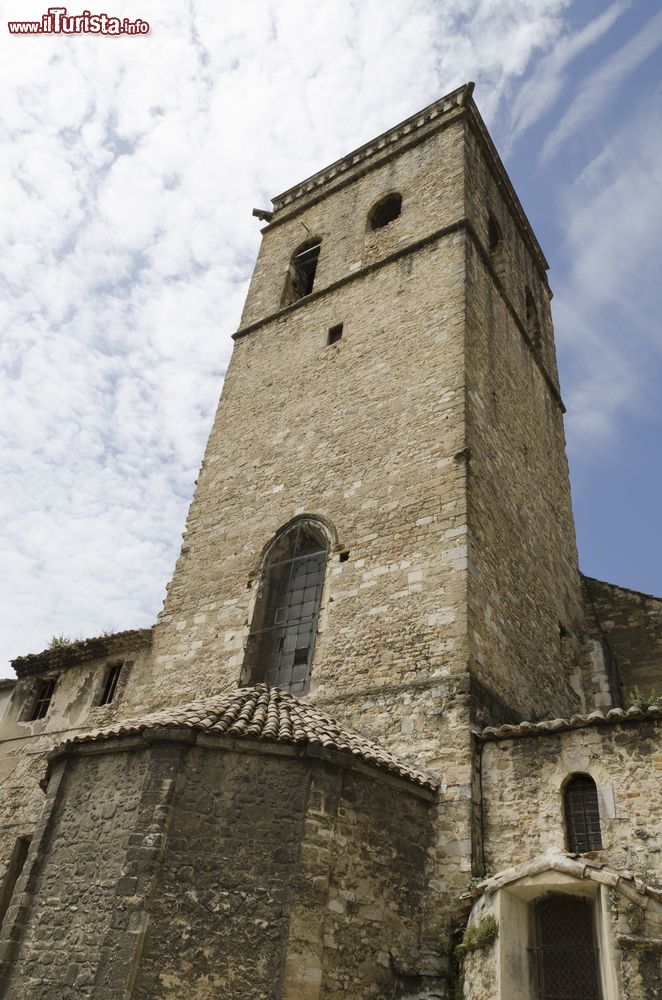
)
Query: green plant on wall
[
  {"x": 60, "y": 642},
  {"x": 479, "y": 935},
  {"x": 477, "y": 880},
  {"x": 644, "y": 701}
]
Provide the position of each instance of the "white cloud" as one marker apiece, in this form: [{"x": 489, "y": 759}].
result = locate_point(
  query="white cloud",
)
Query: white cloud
[
  {"x": 128, "y": 170},
  {"x": 608, "y": 304},
  {"x": 600, "y": 87},
  {"x": 547, "y": 82}
]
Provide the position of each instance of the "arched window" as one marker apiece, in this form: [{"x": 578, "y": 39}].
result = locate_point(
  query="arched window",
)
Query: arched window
[
  {"x": 385, "y": 211},
  {"x": 301, "y": 272},
  {"x": 532, "y": 320},
  {"x": 282, "y": 638},
  {"x": 582, "y": 814},
  {"x": 493, "y": 234},
  {"x": 566, "y": 960}
]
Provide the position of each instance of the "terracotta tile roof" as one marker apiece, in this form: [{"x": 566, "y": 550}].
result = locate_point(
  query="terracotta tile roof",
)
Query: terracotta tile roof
[
  {"x": 596, "y": 718},
  {"x": 265, "y": 714},
  {"x": 81, "y": 650},
  {"x": 578, "y": 866}
]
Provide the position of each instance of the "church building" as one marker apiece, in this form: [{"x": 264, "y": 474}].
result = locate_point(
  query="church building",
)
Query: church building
[{"x": 385, "y": 741}]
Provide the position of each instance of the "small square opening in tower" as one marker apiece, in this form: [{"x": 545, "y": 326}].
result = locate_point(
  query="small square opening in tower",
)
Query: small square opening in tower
[{"x": 335, "y": 333}]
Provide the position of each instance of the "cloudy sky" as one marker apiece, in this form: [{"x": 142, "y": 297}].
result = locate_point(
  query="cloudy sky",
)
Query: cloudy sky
[{"x": 128, "y": 171}]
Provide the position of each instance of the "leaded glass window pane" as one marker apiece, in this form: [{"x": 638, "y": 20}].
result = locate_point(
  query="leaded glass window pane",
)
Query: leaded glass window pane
[{"x": 281, "y": 642}]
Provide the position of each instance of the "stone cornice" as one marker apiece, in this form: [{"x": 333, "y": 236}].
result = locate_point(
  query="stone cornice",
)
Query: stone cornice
[
  {"x": 617, "y": 586},
  {"x": 614, "y": 717},
  {"x": 82, "y": 650},
  {"x": 434, "y": 113}
]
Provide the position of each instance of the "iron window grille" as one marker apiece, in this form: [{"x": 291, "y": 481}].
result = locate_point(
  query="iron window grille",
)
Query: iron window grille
[
  {"x": 110, "y": 687},
  {"x": 43, "y": 698},
  {"x": 565, "y": 958},
  {"x": 582, "y": 815},
  {"x": 280, "y": 645}
]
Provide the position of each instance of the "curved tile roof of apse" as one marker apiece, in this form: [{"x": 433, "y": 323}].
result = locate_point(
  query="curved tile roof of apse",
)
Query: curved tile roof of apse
[{"x": 264, "y": 714}]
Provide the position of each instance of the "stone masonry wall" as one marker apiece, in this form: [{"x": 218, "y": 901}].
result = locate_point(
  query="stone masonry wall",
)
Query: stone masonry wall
[
  {"x": 218, "y": 924},
  {"x": 74, "y": 882},
  {"x": 24, "y": 744},
  {"x": 638, "y": 939},
  {"x": 526, "y": 614},
  {"x": 168, "y": 869},
  {"x": 522, "y": 782},
  {"x": 241, "y": 858},
  {"x": 629, "y": 627},
  {"x": 373, "y": 922}
]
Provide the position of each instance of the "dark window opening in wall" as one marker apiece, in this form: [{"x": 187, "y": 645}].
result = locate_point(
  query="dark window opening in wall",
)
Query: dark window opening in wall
[
  {"x": 43, "y": 696},
  {"x": 110, "y": 686},
  {"x": 532, "y": 321},
  {"x": 280, "y": 645},
  {"x": 582, "y": 814},
  {"x": 565, "y": 954},
  {"x": 301, "y": 272},
  {"x": 335, "y": 333},
  {"x": 13, "y": 873},
  {"x": 385, "y": 211},
  {"x": 493, "y": 234}
]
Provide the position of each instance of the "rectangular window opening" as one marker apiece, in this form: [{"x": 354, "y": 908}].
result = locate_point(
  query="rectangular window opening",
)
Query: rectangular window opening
[
  {"x": 110, "y": 687},
  {"x": 301, "y": 273},
  {"x": 306, "y": 266},
  {"x": 335, "y": 333},
  {"x": 43, "y": 699}
]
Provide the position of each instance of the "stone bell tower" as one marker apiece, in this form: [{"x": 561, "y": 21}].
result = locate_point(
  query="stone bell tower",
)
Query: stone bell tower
[
  {"x": 393, "y": 378},
  {"x": 393, "y": 389}
]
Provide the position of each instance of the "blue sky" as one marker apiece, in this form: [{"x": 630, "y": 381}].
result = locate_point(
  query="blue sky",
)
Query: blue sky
[{"x": 129, "y": 168}]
